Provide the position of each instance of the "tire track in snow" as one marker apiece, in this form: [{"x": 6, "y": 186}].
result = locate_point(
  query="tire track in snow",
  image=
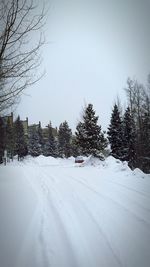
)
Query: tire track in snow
[
  {"x": 84, "y": 211},
  {"x": 137, "y": 203},
  {"x": 50, "y": 187},
  {"x": 135, "y": 236},
  {"x": 43, "y": 252},
  {"x": 53, "y": 219},
  {"x": 143, "y": 193},
  {"x": 32, "y": 236},
  {"x": 82, "y": 203},
  {"x": 111, "y": 200}
]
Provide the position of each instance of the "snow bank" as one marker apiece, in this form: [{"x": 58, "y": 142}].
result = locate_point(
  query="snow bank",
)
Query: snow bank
[
  {"x": 42, "y": 161},
  {"x": 117, "y": 165},
  {"x": 140, "y": 174},
  {"x": 50, "y": 161},
  {"x": 92, "y": 161},
  {"x": 110, "y": 163}
]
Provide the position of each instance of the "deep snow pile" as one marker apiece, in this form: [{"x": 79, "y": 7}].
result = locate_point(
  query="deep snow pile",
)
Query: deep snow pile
[{"x": 54, "y": 213}]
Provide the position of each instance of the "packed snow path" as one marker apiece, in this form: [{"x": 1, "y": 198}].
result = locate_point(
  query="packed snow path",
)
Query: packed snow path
[{"x": 70, "y": 216}]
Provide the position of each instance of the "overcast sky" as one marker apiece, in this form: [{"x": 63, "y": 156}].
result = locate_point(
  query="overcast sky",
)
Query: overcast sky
[{"x": 92, "y": 47}]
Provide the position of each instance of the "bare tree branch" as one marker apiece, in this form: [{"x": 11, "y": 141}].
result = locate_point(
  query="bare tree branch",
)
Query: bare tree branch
[{"x": 19, "y": 53}]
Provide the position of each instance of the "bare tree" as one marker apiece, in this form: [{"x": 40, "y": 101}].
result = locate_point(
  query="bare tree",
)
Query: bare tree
[
  {"x": 148, "y": 95},
  {"x": 131, "y": 94},
  {"x": 137, "y": 97},
  {"x": 139, "y": 102},
  {"x": 20, "y": 25},
  {"x": 119, "y": 105}
]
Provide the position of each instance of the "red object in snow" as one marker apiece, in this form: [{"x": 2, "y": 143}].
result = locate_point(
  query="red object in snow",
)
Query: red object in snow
[{"x": 79, "y": 159}]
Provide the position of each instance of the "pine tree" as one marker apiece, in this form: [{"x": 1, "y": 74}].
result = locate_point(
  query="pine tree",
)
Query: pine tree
[
  {"x": 50, "y": 145},
  {"x": 20, "y": 141},
  {"x": 34, "y": 145},
  {"x": 2, "y": 139},
  {"x": 115, "y": 134},
  {"x": 89, "y": 138},
  {"x": 9, "y": 139},
  {"x": 40, "y": 137},
  {"x": 129, "y": 139},
  {"x": 64, "y": 140},
  {"x": 75, "y": 151}
]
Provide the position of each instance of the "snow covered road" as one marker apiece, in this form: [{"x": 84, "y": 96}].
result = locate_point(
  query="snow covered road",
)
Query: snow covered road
[{"x": 70, "y": 216}]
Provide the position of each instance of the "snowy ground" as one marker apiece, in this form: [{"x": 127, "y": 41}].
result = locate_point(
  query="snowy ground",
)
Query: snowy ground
[{"x": 54, "y": 213}]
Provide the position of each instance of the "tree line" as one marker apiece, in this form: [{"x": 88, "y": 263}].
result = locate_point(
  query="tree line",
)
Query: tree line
[
  {"x": 87, "y": 140},
  {"x": 129, "y": 133}
]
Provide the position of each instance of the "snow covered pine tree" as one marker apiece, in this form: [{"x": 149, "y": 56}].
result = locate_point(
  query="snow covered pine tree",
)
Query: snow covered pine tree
[
  {"x": 50, "y": 144},
  {"x": 115, "y": 134},
  {"x": 89, "y": 138},
  {"x": 64, "y": 140},
  {"x": 34, "y": 145},
  {"x": 20, "y": 142}
]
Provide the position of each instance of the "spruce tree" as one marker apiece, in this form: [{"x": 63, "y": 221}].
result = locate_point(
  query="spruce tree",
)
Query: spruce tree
[
  {"x": 89, "y": 137},
  {"x": 129, "y": 139},
  {"x": 75, "y": 151},
  {"x": 64, "y": 140},
  {"x": 20, "y": 141},
  {"x": 40, "y": 137},
  {"x": 115, "y": 134},
  {"x": 50, "y": 145},
  {"x": 34, "y": 145},
  {"x": 2, "y": 139}
]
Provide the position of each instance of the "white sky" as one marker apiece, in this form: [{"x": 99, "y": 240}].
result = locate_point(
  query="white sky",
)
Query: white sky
[{"x": 92, "y": 47}]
